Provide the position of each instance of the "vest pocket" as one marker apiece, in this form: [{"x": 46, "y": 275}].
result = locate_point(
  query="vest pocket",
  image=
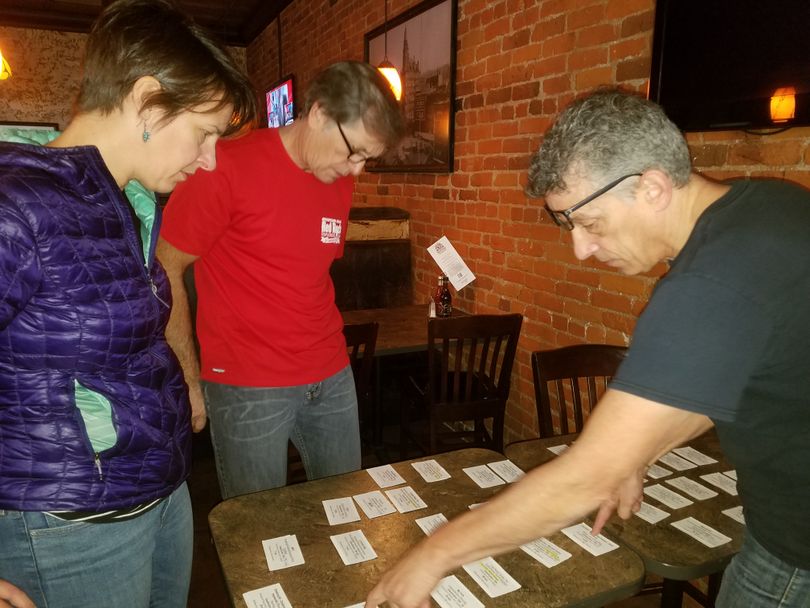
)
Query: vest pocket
[{"x": 96, "y": 411}]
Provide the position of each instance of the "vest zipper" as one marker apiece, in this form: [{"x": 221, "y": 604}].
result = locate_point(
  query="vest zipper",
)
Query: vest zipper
[{"x": 98, "y": 466}]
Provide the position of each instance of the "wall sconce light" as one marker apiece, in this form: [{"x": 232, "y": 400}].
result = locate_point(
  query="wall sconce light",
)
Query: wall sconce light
[
  {"x": 5, "y": 69},
  {"x": 783, "y": 104},
  {"x": 387, "y": 68}
]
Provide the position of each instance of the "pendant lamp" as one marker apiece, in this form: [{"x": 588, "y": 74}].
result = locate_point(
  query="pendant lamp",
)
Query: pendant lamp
[{"x": 387, "y": 68}]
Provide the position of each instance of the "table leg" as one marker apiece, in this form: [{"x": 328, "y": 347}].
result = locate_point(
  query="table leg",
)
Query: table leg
[{"x": 672, "y": 593}]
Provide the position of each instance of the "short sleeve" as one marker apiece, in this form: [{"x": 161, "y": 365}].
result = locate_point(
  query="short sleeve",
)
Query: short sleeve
[
  {"x": 696, "y": 346},
  {"x": 198, "y": 212},
  {"x": 20, "y": 274}
]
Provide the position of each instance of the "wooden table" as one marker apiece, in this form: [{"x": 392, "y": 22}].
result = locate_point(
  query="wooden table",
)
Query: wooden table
[
  {"x": 239, "y": 525},
  {"x": 666, "y": 551}
]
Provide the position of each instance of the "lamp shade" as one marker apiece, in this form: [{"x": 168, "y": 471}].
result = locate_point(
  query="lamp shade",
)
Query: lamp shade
[
  {"x": 783, "y": 104},
  {"x": 5, "y": 69},
  {"x": 392, "y": 76}
]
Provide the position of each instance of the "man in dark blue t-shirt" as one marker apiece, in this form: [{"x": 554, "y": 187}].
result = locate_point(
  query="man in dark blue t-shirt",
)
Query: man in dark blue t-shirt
[{"x": 723, "y": 342}]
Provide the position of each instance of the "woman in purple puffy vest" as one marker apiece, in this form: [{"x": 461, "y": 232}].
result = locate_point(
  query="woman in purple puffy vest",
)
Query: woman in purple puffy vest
[{"x": 94, "y": 412}]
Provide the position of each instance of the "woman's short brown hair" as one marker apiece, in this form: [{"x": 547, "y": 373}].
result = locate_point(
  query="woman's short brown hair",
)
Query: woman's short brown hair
[{"x": 136, "y": 38}]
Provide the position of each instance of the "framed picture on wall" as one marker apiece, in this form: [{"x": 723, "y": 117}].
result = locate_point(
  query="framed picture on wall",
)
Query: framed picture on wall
[
  {"x": 421, "y": 44},
  {"x": 280, "y": 103}
]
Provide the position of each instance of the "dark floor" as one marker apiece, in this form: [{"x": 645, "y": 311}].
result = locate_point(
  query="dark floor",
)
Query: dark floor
[{"x": 207, "y": 586}]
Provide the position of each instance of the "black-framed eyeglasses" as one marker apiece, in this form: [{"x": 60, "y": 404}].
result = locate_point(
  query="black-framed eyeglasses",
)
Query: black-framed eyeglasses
[
  {"x": 353, "y": 157},
  {"x": 563, "y": 218}
]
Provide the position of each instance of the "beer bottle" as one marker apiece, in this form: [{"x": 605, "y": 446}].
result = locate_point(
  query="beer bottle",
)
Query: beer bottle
[{"x": 445, "y": 304}]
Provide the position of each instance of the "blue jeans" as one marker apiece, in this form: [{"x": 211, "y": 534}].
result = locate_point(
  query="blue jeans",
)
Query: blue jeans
[
  {"x": 757, "y": 579},
  {"x": 250, "y": 428},
  {"x": 139, "y": 563}
]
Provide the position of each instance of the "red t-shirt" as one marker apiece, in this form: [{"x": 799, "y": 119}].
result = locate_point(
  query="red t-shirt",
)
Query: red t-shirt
[{"x": 266, "y": 234}]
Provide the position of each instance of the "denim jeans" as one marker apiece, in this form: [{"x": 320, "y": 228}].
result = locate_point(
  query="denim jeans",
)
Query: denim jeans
[
  {"x": 139, "y": 563},
  {"x": 250, "y": 427},
  {"x": 757, "y": 579}
]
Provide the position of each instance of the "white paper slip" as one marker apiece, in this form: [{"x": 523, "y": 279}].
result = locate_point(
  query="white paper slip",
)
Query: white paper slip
[
  {"x": 557, "y": 449},
  {"x": 651, "y": 514},
  {"x": 448, "y": 259},
  {"x": 691, "y": 487},
  {"x": 546, "y": 552},
  {"x": 595, "y": 545},
  {"x": 430, "y": 470},
  {"x": 693, "y": 455},
  {"x": 507, "y": 470},
  {"x": 431, "y": 523},
  {"x": 673, "y": 461},
  {"x": 358, "y": 605},
  {"x": 725, "y": 483},
  {"x": 657, "y": 472},
  {"x": 732, "y": 473},
  {"x": 340, "y": 511},
  {"x": 405, "y": 499},
  {"x": 667, "y": 497},
  {"x": 735, "y": 513},
  {"x": 701, "y": 532},
  {"x": 385, "y": 476},
  {"x": 484, "y": 476},
  {"x": 374, "y": 504},
  {"x": 272, "y": 596},
  {"x": 494, "y": 580},
  {"x": 282, "y": 552},
  {"x": 475, "y": 505},
  {"x": 353, "y": 547},
  {"x": 451, "y": 593}
]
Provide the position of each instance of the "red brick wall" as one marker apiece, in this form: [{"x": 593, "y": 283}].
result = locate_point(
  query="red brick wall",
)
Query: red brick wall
[{"x": 519, "y": 62}]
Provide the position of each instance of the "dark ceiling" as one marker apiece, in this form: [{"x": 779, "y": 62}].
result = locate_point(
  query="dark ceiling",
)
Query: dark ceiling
[{"x": 236, "y": 22}]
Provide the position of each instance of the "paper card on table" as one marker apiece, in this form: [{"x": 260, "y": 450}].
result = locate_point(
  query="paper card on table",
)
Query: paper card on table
[
  {"x": 475, "y": 505},
  {"x": 448, "y": 259},
  {"x": 546, "y": 552},
  {"x": 725, "y": 483},
  {"x": 374, "y": 504},
  {"x": 430, "y": 470},
  {"x": 451, "y": 593},
  {"x": 651, "y": 514},
  {"x": 557, "y": 449},
  {"x": 732, "y": 473},
  {"x": 671, "y": 499},
  {"x": 507, "y": 470},
  {"x": 701, "y": 532},
  {"x": 674, "y": 461},
  {"x": 693, "y": 455},
  {"x": 272, "y": 596},
  {"x": 595, "y": 545},
  {"x": 691, "y": 487},
  {"x": 431, "y": 523},
  {"x": 340, "y": 511},
  {"x": 385, "y": 476},
  {"x": 282, "y": 552},
  {"x": 484, "y": 476},
  {"x": 405, "y": 499},
  {"x": 358, "y": 605},
  {"x": 657, "y": 472},
  {"x": 735, "y": 513},
  {"x": 353, "y": 547},
  {"x": 493, "y": 579}
]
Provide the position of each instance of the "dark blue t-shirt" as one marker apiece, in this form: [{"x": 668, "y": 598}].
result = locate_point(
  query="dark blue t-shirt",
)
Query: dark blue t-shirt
[{"x": 727, "y": 334}]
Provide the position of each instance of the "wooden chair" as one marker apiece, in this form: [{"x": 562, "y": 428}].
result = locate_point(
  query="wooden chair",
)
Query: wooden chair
[
  {"x": 361, "y": 340},
  {"x": 568, "y": 382},
  {"x": 470, "y": 362}
]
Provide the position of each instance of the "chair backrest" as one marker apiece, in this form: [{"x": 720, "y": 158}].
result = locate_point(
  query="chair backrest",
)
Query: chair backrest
[
  {"x": 471, "y": 357},
  {"x": 572, "y": 377},
  {"x": 361, "y": 339}
]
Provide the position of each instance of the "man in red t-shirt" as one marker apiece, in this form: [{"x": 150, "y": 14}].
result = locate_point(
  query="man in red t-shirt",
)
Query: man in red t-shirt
[{"x": 262, "y": 231}]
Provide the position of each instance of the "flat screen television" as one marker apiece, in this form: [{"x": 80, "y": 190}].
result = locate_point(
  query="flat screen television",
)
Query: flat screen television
[
  {"x": 280, "y": 104},
  {"x": 716, "y": 64}
]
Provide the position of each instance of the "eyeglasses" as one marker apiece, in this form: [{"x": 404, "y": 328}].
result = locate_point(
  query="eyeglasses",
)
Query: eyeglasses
[
  {"x": 353, "y": 157},
  {"x": 563, "y": 218}
]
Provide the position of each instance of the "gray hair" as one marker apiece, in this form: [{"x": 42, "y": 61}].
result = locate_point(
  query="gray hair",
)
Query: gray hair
[
  {"x": 349, "y": 90},
  {"x": 604, "y": 135}
]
